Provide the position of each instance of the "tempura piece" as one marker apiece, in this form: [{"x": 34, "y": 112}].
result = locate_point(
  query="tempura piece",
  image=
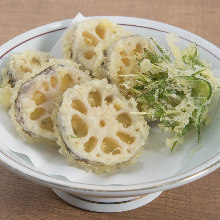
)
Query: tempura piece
[
  {"x": 96, "y": 129},
  {"x": 86, "y": 43},
  {"x": 123, "y": 58},
  {"x": 20, "y": 66},
  {"x": 34, "y": 99}
]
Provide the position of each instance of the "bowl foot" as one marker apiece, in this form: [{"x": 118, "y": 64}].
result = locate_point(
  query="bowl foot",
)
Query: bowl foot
[{"x": 97, "y": 204}]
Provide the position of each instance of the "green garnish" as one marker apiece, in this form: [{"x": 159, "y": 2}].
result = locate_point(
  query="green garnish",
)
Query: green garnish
[
  {"x": 192, "y": 57},
  {"x": 166, "y": 55},
  {"x": 153, "y": 57},
  {"x": 175, "y": 92},
  {"x": 73, "y": 136}
]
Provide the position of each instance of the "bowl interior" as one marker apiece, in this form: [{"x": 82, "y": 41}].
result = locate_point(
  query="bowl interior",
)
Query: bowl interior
[{"x": 156, "y": 162}]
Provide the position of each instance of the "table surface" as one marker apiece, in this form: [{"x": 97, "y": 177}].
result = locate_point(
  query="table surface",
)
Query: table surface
[{"x": 21, "y": 199}]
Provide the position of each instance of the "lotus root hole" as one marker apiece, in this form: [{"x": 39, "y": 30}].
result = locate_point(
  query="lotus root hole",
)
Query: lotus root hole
[
  {"x": 109, "y": 145},
  {"x": 94, "y": 99},
  {"x": 45, "y": 86},
  {"x": 121, "y": 71},
  {"x": 53, "y": 81},
  {"x": 117, "y": 107},
  {"x": 100, "y": 30},
  {"x": 109, "y": 99},
  {"x": 139, "y": 48},
  {"x": 125, "y": 137},
  {"x": 79, "y": 126},
  {"x": 25, "y": 69},
  {"x": 47, "y": 124},
  {"x": 126, "y": 61},
  {"x": 90, "y": 144},
  {"x": 38, "y": 97},
  {"x": 139, "y": 106},
  {"x": 102, "y": 123},
  {"x": 90, "y": 39},
  {"x": 123, "y": 53},
  {"x": 124, "y": 119},
  {"x": 135, "y": 69},
  {"x": 79, "y": 106},
  {"x": 66, "y": 82},
  {"x": 89, "y": 54},
  {"x": 115, "y": 152},
  {"x": 36, "y": 60},
  {"x": 37, "y": 113}
]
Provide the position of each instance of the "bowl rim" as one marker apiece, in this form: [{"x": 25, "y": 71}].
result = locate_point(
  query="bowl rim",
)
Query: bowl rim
[
  {"x": 132, "y": 189},
  {"x": 167, "y": 183}
]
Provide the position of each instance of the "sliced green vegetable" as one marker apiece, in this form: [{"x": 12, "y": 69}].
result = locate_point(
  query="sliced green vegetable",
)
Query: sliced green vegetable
[{"x": 201, "y": 90}]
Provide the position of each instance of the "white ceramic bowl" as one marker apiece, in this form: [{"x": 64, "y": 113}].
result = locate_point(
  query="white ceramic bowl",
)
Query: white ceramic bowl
[{"x": 157, "y": 169}]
